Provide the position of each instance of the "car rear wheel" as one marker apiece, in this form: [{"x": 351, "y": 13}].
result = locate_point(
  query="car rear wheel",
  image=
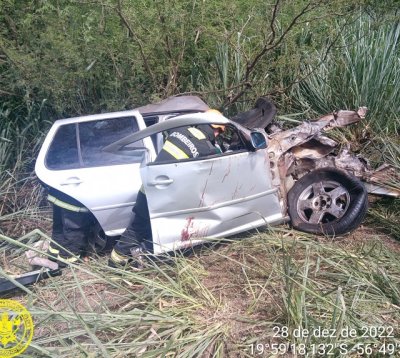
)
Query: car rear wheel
[{"x": 327, "y": 201}]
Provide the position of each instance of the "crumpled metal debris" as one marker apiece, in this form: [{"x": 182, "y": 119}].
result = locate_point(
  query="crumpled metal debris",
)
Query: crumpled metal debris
[
  {"x": 35, "y": 259},
  {"x": 297, "y": 151},
  {"x": 343, "y": 118}
]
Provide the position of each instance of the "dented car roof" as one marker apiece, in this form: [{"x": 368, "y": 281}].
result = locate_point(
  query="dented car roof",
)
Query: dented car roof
[{"x": 175, "y": 104}]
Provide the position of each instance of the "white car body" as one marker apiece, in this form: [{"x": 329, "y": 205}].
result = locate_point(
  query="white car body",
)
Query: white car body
[{"x": 189, "y": 200}]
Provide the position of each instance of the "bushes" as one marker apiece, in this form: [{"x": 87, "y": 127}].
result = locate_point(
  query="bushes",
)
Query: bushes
[{"x": 66, "y": 59}]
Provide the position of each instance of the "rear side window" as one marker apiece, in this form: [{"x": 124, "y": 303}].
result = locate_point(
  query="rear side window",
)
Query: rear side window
[
  {"x": 63, "y": 151},
  {"x": 79, "y": 145}
]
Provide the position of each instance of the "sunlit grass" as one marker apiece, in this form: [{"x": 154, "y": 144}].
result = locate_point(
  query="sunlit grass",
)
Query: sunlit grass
[{"x": 221, "y": 301}]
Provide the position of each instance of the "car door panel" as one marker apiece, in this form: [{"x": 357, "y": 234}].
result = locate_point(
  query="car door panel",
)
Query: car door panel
[
  {"x": 109, "y": 199},
  {"x": 207, "y": 198},
  {"x": 72, "y": 161}
]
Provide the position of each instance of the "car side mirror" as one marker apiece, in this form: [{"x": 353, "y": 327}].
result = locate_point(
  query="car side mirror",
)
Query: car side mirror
[{"x": 258, "y": 140}]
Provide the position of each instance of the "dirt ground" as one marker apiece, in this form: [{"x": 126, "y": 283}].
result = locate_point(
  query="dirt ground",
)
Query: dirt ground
[{"x": 236, "y": 286}]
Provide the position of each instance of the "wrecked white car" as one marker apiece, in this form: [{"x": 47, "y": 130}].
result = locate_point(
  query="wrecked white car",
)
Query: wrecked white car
[{"x": 263, "y": 176}]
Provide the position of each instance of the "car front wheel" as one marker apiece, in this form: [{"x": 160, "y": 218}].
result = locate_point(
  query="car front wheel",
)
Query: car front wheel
[{"x": 327, "y": 201}]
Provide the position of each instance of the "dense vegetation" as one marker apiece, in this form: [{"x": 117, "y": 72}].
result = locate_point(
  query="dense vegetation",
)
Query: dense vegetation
[
  {"x": 60, "y": 59},
  {"x": 65, "y": 58}
]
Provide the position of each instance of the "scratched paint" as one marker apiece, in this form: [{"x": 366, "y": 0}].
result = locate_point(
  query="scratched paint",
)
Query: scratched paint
[
  {"x": 235, "y": 193},
  {"x": 211, "y": 168},
  {"x": 203, "y": 194},
  {"x": 227, "y": 172},
  {"x": 253, "y": 188}
]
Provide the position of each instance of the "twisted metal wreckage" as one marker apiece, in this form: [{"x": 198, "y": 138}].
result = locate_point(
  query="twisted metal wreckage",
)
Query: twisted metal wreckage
[
  {"x": 297, "y": 151},
  {"x": 292, "y": 154}
]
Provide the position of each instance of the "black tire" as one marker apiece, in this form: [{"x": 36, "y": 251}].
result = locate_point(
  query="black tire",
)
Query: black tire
[{"x": 327, "y": 201}]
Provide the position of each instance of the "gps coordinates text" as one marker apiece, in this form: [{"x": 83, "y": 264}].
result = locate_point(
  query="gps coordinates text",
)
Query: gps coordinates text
[{"x": 329, "y": 341}]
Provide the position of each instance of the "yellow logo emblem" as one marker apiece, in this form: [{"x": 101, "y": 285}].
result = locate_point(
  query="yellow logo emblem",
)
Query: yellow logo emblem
[{"x": 16, "y": 328}]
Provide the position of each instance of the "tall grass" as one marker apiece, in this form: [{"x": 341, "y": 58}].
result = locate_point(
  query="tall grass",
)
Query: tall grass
[
  {"x": 363, "y": 70},
  {"x": 22, "y": 129},
  {"x": 222, "y": 303}
]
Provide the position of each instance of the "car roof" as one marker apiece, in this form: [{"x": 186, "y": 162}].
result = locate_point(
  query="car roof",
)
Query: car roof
[
  {"x": 176, "y": 122},
  {"x": 175, "y": 105}
]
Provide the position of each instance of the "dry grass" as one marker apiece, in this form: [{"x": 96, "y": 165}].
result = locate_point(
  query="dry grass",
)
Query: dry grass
[{"x": 221, "y": 301}]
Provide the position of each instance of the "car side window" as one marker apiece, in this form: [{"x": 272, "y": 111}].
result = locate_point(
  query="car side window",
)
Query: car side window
[
  {"x": 79, "y": 145},
  {"x": 63, "y": 150},
  {"x": 229, "y": 142}
]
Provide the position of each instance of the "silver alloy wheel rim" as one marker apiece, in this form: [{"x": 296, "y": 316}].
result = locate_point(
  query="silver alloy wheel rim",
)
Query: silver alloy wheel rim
[{"x": 323, "y": 202}]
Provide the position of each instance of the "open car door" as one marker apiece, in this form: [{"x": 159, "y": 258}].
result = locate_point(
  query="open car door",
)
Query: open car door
[{"x": 209, "y": 197}]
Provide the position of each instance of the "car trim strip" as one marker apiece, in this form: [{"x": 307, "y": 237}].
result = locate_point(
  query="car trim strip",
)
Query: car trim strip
[
  {"x": 114, "y": 206},
  {"x": 212, "y": 207},
  {"x": 78, "y": 143}
]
